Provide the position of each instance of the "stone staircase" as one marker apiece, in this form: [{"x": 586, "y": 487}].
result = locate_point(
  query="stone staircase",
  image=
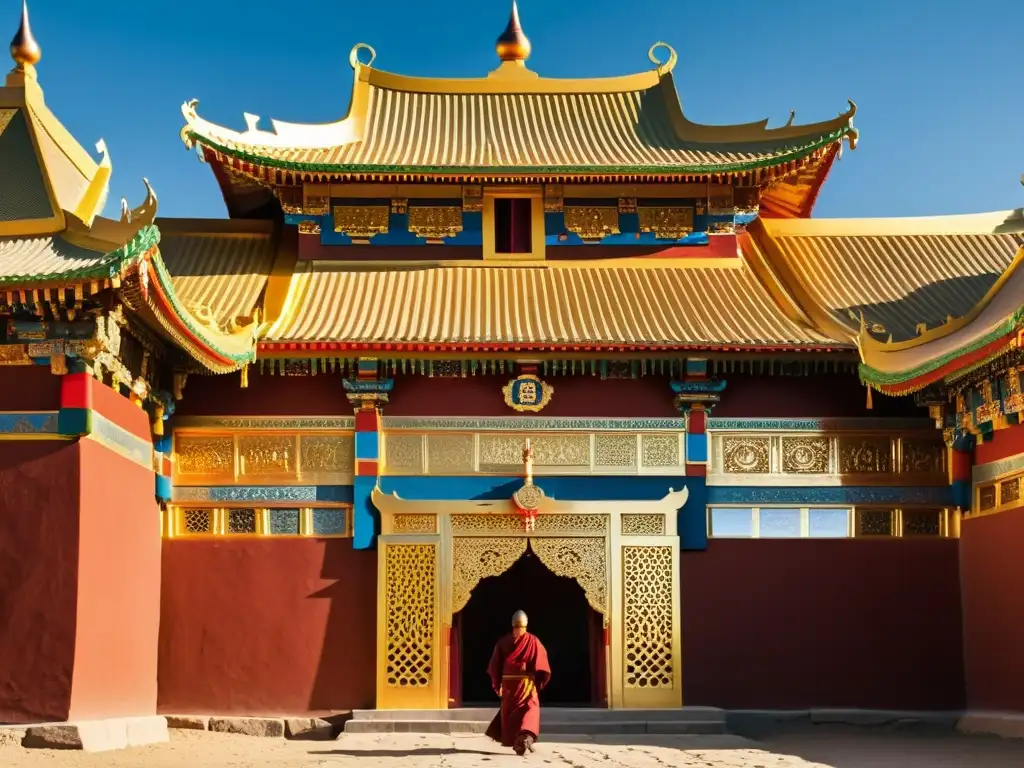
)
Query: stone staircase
[{"x": 687, "y": 720}]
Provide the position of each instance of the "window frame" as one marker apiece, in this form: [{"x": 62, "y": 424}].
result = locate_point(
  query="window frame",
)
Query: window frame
[{"x": 538, "y": 248}]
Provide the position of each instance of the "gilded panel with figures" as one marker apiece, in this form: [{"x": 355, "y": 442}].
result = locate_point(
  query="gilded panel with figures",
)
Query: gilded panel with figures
[
  {"x": 450, "y": 454},
  {"x": 204, "y": 456},
  {"x": 326, "y": 458},
  {"x": 266, "y": 455},
  {"x": 548, "y": 450}
]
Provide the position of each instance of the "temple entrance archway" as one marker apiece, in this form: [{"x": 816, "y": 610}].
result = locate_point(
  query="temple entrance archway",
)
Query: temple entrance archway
[
  {"x": 571, "y": 630},
  {"x": 623, "y": 555}
]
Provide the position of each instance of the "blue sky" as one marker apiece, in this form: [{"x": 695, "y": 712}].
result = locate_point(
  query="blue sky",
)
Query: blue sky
[{"x": 938, "y": 84}]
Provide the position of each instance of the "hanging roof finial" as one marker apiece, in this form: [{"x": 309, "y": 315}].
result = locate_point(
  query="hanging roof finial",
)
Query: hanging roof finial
[
  {"x": 24, "y": 49},
  {"x": 513, "y": 45}
]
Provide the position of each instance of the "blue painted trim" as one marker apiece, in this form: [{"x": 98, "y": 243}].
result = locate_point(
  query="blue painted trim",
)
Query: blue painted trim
[
  {"x": 692, "y": 519},
  {"x": 163, "y": 444},
  {"x": 365, "y": 518},
  {"x": 367, "y": 446},
  {"x": 941, "y": 496},
  {"x": 696, "y": 447},
  {"x": 45, "y": 423},
  {"x": 163, "y": 488},
  {"x": 961, "y": 490},
  {"x": 121, "y": 441},
  {"x": 817, "y": 425},
  {"x": 984, "y": 473},
  {"x": 335, "y": 494},
  {"x": 74, "y": 421}
]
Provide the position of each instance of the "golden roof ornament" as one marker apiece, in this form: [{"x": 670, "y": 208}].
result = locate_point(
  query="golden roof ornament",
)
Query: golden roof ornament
[
  {"x": 513, "y": 45},
  {"x": 24, "y": 49}
]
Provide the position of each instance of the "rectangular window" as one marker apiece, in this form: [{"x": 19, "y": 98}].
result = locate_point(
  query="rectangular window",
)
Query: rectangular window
[
  {"x": 828, "y": 523},
  {"x": 731, "y": 523},
  {"x": 779, "y": 523},
  {"x": 513, "y": 225}
]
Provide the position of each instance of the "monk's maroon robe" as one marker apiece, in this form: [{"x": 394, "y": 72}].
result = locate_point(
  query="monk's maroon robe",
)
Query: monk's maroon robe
[{"x": 518, "y": 669}]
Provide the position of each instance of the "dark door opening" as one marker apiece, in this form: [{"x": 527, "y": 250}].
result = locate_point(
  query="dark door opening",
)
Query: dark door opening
[{"x": 559, "y": 616}]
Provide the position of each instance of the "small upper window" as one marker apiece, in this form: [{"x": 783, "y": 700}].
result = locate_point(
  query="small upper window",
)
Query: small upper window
[{"x": 513, "y": 225}]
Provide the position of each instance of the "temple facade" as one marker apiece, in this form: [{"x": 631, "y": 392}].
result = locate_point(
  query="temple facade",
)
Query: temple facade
[{"x": 497, "y": 343}]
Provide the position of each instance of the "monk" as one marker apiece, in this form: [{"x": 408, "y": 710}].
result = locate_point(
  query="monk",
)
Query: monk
[{"x": 518, "y": 669}]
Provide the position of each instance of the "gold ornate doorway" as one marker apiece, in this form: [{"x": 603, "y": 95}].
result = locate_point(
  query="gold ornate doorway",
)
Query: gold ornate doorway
[{"x": 624, "y": 554}]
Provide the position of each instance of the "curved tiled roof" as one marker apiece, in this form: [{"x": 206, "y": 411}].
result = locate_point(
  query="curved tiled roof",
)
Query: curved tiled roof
[
  {"x": 901, "y": 274},
  {"x": 537, "y": 306},
  {"x": 515, "y": 120}
]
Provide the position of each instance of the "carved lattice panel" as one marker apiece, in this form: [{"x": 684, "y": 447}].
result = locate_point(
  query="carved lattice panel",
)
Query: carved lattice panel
[
  {"x": 582, "y": 559},
  {"x": 410, "y": 579},
  {"x": 549, "y": 525},
  {"x": 643, "y": 525},
  {"x": 476, "y": 559},
  {"x": 648, "y": 590}
]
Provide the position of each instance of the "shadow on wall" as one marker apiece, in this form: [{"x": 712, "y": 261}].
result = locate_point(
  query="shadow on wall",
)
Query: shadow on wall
[{"x": 346, "y": 672}]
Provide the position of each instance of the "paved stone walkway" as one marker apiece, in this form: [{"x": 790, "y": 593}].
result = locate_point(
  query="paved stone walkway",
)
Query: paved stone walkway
[{"x": 818, "y": 749}]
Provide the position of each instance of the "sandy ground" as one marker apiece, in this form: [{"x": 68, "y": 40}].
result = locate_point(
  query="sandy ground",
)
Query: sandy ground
[{"x": 834, "y": 748}]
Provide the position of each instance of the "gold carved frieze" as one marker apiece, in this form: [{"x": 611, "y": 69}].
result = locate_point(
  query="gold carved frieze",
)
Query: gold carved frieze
[
  {"x": 316, "y": 205},
  {"x": 14, "y": 354},
  {"x": 746, "y": 455},
  {"x": 615, "y": 451},
  {"x": 450, "y": 454},
  {"x": 309, "y": 228},
  {"x": 472, "y": 198},
  {"x": 987, "y": 498},
  {"x": 403, "y": 454},
  {"x": 592, "y": 222},
  {"x": 643, "y": 524},
  {"x": 361, "y": 221},
  {"x": 554, "y": 195},
  {"x": 410, "y": 583},
  {"x": 548, "y": 450},
  {"x": 660, "y": 451},
  {"x": 581, "y": 559},
  {"x": 260, "y": 455},
  {"x": 512, "y": 525},
  {"x": 202, "y": 455},
  {"x": 648, "y": 590},
  {"x": 477, "y": 559},
  {"x": 805, "y": 455},
  {"x": 865, "y": 455},
  {"x": 326, "y": 455},
  {"x": 435, "y": 222},
  {"x": 667, "y": 223},
  {"x": 922, "y": 456}
]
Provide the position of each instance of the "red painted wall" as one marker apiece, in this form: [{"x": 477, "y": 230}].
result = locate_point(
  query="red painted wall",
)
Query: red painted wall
[
  {"x": 38, "y": 565},
  {"x": 798, "y": 624},
  {"x": 29, "y": 388},
  {"x": 1004, "y": 442},
  {"x": 115, "y": 670},
  {"x": 267, "y": 627},
  {"x": 992, "y": 580},
  {"x": 583, "y": 396}
]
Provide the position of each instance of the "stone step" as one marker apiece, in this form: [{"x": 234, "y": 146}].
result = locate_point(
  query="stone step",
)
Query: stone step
[{"x": 688, "y": 720}]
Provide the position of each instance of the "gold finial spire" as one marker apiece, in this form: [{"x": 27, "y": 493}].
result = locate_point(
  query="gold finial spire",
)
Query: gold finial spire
[
  {"x": 24, "y": 49},
  {"x": 513, "y": 45}
]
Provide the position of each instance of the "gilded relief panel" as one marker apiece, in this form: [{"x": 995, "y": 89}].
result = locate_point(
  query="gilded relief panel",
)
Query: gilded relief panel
[
  {"x": 643, "y": 525},
  {"x": 563, "y": 451},
  {"x": 204, "y": 456},
  {"x": 660, "y": 451},
  {"x": 260, "y": 455},
  {"x": 403, "y": 454},
  {"x": 923, "y": 456},
  {"x": 615, "y": 451},
  {"x": 413, "y": 523},
  {"x": 326, "y": 457},
  {"x": 450, "y": 454},
  {"x": 865, "y": 455},
  {"x": 746, "y": 455},
  {"x": 805, "y": 455}
]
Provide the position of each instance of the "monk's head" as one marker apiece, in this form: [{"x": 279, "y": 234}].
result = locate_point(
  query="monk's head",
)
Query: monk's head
[{"x": 519, "y": 622}]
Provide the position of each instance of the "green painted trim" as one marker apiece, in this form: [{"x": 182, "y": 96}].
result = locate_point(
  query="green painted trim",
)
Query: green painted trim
[
  {"x": 290, "y": 165},
  {"x": 167, "y": 285},
  {"x": 107, "y": 265},
  {"x": 873, "y": 376}
]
